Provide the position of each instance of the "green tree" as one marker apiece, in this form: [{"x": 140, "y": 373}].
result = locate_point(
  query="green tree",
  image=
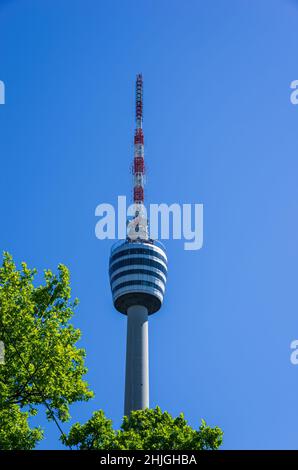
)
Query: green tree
[
  {"x": 15, "y": 432},
  {"x": 150, "y": 429},
  {"x": 43, "y": 365}
]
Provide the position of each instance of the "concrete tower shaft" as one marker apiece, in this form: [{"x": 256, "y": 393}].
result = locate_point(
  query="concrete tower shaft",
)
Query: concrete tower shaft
[{"x": 137, "y": 360}]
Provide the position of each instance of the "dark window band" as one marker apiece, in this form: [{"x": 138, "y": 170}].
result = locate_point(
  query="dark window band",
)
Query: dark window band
[
  {"x": 137, "y": 271},
  {"x": 132, "y": 261},
  {"x": 137, "y": 283},
  {"x": 137, "y": 251}
]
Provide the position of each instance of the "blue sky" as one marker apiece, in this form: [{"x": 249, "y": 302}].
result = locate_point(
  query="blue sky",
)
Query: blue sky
[{"x": 220, "y": 130}]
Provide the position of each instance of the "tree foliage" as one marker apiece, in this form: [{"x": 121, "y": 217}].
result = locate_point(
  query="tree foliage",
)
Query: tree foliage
[
  {"x": 15, "y": 432},
  {"x": 150, "y": 429},
  {"x": 42, "y": 365}
]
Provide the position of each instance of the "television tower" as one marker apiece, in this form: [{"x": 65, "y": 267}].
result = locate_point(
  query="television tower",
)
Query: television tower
[{"x": 138, "y": 272}]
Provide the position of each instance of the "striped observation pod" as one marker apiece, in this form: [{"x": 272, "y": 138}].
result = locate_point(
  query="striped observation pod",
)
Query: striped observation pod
[{"x": 138, "y": 274}]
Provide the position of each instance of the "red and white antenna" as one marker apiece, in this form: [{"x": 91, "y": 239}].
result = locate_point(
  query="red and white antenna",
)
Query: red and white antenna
[
  {"x": 138, "y": 163},
  {"x": 140, "y": 223}
]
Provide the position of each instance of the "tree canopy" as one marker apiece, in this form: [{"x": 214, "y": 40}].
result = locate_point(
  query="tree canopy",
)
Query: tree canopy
[
  {"x": 149, "y": 429},
  {"x": 42, "y": 363},
  {"x": 15, "y": 432},
  {"x": 44, "y": 366}
]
